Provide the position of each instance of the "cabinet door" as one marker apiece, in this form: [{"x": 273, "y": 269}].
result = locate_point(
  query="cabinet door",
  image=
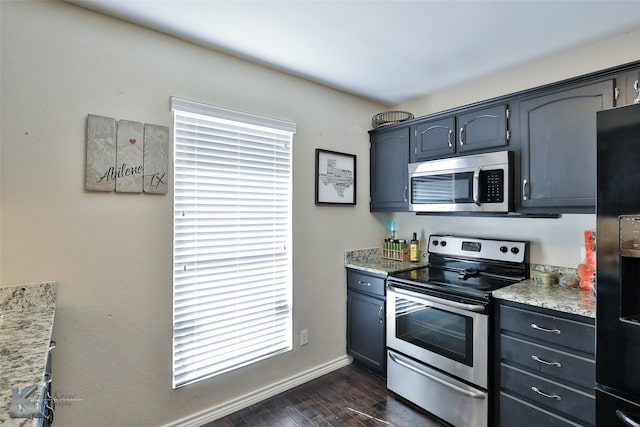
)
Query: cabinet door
[
  {"x": 558, "y": 142},
  {"x": 482, "y": 129},
  {"x": 389, "y": 158},
  {"x": 432, "y": 139},
  {"x": 365, "y": 330}
]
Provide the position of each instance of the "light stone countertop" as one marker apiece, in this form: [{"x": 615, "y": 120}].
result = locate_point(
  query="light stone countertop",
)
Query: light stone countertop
[
  {"x": 571, "y": 300},
  {"x": 371, "y": 260},
  {"x": 26, "y": 322}
]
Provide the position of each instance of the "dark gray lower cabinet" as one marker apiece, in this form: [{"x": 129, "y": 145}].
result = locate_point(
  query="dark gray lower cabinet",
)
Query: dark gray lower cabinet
[
  {"x": 545, "y": 368},
  {"x": 366, "y": 319}
]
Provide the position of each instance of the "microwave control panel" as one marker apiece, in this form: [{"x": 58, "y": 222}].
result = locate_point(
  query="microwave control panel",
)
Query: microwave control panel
[{"x": 492, "y": 184}]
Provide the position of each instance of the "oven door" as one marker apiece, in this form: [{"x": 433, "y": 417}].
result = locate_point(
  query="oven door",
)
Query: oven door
[{"x": 447, "y": 335}]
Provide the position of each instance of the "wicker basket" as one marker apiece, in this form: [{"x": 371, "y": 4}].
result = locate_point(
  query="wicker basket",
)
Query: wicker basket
[{"x": 390, "y": 118}]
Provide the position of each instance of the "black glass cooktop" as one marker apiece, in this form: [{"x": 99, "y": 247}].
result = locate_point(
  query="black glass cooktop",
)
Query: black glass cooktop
[
  {"x": 459, "y": 276},
  {"x": 472, "y": 279}
]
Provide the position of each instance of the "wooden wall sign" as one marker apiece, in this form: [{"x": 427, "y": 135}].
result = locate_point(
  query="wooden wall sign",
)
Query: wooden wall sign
[
  {"x": 156, "y": 158},
  {"x": 126, "y": 156},
  {"x": 129, "y": 149},
  {"x": 101, "y": 153}
]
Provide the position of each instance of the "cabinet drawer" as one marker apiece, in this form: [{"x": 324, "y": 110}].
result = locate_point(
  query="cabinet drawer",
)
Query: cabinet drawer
[
  {"x": 554, "y": 330},
  {"x": 576, "y": 404},
  {"x": 550, "y": 362},
  {"x": 516, "y": 412},
  {"x": 363, "y": 282}
]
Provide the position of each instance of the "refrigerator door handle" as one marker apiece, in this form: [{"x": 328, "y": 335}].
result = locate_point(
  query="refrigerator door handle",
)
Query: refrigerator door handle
[{"x": 626, "y": 419}]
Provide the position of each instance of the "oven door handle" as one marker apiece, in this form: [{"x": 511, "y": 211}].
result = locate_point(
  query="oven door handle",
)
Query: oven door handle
[
  {"x": 478, "y": 308},
  {"x": 470, "y": 393}
]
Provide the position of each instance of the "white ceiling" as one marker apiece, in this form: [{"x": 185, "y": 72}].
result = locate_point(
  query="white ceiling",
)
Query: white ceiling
[{"x": 388, "y": 51}]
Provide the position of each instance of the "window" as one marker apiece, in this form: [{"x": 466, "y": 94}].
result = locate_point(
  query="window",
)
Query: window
[{"x": 232, "y": 239}]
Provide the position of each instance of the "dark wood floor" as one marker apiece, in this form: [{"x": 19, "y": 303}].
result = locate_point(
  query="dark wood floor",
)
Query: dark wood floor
[{"x": 350, "y": 396}]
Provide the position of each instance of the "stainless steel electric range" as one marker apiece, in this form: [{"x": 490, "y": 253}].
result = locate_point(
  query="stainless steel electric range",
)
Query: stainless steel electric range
[{"x": 439, "y": 322}]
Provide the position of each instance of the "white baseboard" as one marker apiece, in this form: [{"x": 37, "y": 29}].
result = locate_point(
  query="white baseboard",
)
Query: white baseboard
[{"x": 219, "y": 411}]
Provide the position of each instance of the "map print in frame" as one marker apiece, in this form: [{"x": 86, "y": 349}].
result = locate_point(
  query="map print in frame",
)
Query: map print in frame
[{"x": 335, "y": 178}]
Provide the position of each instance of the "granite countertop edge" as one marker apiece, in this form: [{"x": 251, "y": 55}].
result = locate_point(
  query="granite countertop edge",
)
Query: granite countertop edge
[
  {"x": 27, "y": 314},
  {"x": 571, "y": 300}
]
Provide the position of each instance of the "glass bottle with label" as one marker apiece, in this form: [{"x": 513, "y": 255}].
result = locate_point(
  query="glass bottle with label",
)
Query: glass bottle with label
[{"x": 414, "y": 249}]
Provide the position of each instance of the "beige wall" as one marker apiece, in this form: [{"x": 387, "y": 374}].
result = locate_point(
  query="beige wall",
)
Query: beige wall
[{"x": 111, "y": 253}]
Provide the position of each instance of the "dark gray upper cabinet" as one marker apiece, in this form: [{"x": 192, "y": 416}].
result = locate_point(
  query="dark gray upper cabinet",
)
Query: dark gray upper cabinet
[
  {"x": 478, "y": 129},
  {"x": 558, "y": 147},
  {"x": 389, "y": 156},
  {"x": 483, "y": 129},
  {"x": 433, "y": 138},
  {"x": 551, "y": 131}
]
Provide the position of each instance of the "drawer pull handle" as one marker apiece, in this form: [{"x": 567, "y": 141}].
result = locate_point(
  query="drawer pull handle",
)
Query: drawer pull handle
[
  {"x": 544, "y": 362},
  {"x": 360, "y": 282},
  {"x": 551, "y": 331},
  {"x": 542, "y": 393}
]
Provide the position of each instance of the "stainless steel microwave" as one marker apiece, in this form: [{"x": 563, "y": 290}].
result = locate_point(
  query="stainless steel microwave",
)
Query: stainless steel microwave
[{"x": 473, "y": 183}]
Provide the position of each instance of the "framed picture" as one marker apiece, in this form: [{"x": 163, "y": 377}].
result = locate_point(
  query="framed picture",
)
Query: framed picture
[{"x": 335, "y": 178}]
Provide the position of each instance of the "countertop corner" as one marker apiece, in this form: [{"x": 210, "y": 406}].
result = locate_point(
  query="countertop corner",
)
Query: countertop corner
[
  {"x": 371, "y": 260},
  {"x": 26, "y": 322}
]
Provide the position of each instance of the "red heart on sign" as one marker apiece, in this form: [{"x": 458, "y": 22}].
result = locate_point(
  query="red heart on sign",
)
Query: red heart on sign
[{"x": 132, "y": 140}]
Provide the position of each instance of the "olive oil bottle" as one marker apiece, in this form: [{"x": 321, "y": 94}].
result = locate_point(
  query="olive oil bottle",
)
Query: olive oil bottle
[{"x": 414, "y": 249}]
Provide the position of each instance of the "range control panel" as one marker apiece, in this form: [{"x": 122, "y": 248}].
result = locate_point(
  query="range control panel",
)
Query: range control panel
[{"x": 469, "y": 247}]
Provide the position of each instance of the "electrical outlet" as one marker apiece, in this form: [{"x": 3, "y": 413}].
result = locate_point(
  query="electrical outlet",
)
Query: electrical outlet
[{"x": 304, "y": 337}]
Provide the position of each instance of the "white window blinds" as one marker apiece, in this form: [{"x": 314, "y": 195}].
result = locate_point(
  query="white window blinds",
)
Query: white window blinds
[{"x": 232, "y": 239}]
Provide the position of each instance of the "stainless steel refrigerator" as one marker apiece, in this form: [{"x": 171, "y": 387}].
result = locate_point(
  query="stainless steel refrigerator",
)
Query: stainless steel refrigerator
[{"x": 618, "y": 268}]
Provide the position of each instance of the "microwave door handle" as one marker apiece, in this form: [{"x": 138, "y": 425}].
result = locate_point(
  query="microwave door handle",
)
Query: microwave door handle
[{"x": 476, "y": 186}]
